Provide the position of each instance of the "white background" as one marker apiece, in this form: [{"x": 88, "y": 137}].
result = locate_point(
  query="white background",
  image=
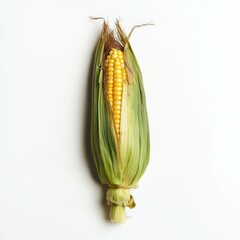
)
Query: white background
[{"x": 190, "y": 62}]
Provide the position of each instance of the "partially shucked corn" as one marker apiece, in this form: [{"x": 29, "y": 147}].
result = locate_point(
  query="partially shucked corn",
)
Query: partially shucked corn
[{"x": 119, "y": 126}]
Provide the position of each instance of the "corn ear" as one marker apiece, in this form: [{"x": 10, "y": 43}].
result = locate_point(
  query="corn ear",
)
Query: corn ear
[{"x": 120, "y": 149}]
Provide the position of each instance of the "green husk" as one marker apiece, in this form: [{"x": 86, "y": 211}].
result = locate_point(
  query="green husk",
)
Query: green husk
[{"x": 120, "y": 163}]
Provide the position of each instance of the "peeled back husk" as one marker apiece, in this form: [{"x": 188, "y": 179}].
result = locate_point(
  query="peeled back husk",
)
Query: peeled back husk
[{"x": 120, "y": 163}]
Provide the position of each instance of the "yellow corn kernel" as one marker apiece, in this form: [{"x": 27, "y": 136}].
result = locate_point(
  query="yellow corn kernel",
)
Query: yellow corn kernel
[{"x": 116, "y": 77}]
